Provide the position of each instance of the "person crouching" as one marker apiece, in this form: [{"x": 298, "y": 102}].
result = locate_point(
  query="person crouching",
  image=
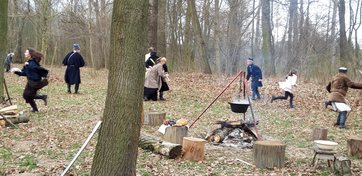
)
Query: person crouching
[{"x": 153, "y": 80}]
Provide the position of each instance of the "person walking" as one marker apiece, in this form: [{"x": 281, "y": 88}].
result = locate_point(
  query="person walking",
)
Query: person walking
[
  {"x": 36, "y": 78},
  {"x": 73, "y": 60},
  {"x": 8, "y": 61},
  {"x": 287, "y": 86},
  {"x": 255, "y": 73},
  {"x": 338, "y": 88}
]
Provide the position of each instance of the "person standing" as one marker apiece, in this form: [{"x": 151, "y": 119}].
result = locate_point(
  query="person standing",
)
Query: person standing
[
  {"x": 254, "y": 72},
  {"x": 153, "y": 80},
  {"x": 8, "y": 61},
  {"x": 151, "y": 61},
  {"x": 287, "y": 86},
  {"x": 73, "y": 60},
  {"x": 36, "y": 76},
  {"x": 338, "y": 88}
]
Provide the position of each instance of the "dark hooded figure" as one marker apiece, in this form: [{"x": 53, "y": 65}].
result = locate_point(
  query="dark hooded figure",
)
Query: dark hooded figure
[
  {"x": 36, "y": 76},
  {"x": 151, "y": 61},
  {"x": 73, "y": 61}
]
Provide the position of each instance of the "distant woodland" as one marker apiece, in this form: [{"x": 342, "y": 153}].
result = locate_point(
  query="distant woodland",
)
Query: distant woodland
[{"x": 208, "y": 36}]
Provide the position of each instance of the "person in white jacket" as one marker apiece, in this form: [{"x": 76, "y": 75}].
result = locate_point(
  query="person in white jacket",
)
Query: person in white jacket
[{"x": 287, "y": 86}]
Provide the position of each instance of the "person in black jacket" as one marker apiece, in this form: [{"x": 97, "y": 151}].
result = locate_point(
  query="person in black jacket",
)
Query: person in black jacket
[
  {"x": 36, "y": 76},
  {"x": 73, "y": 60}
]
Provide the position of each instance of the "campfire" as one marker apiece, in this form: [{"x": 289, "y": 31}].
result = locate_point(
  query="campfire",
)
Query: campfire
[{"x": 233, "y": 134}]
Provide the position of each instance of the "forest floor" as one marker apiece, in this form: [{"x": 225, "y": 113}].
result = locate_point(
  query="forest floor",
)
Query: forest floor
[{"x": 48, "y": 142}]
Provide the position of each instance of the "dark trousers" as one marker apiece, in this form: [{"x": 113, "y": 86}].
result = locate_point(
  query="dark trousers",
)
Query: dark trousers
[
  {"x": 255, "y": 90},
  {"x": 30, "y": 92},
  {"x": 76, "y": 88},
  {"x": 286, "y": 95}
]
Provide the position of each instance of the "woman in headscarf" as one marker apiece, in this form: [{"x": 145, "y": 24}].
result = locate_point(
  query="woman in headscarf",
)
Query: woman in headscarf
[
  {"x": 153, "y": 80},
  {"x": 36, "y": 76}
]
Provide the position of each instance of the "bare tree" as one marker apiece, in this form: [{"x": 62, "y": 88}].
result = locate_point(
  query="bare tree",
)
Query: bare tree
[
  {"x": 117, "y": 147},
  {"x": 152, "y": 23},
  {"x": 342, "y": 33},
  {"x": 267, "y": 39},
  {"x": 3, "y": 41}
]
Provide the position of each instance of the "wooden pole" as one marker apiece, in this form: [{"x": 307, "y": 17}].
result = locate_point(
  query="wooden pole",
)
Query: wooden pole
[{"x": 227, "y": 86}]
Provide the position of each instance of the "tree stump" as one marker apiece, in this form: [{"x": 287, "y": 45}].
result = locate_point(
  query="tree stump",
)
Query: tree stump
[
  {"x": 193, "y": 149},
  {"x": 354, "y": 146},
  {"x": 175, "y": 134},
  {"x": 269, "y": 154},
  {"x": 319, "y": 134},
  {"x": 155, "y": 145},
  {"x": 154, "y": 118}
]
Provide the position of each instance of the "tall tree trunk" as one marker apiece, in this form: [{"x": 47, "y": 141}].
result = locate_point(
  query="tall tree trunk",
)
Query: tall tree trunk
[
  {"x": 117, "y": 146},
  {"x": 152, "y": 23},
  {"x": 3, "y": 41},
  {"x": 342, "y": 33},
  {"x": 217, "y": 37},
  {"x": 292, "y": 36},
  {"x": 161, "y": 37},
  {"x": 333, "y": 37},
  {"x": 45, "y": 14},
  {"x": 186, "y": 62},
  {"x": 90, "y": 33},
  {"x": 267, "y": 36},
  {"x": 202, "y": 63}
]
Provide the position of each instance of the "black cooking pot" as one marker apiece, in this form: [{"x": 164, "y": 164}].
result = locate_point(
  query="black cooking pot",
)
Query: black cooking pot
[{"x": 239, "y": 106}]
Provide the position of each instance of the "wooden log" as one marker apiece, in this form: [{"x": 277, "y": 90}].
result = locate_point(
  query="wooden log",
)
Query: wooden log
[
  {"x": 219, "y": 135},
  {"x": 319, "y": 134},
  {"x": 154, "y": 118},
  {"x": 193, "y": 149},
  {"x": 155, "y": 145},
  {"x": 175, "y": 134},
  {"x": 9, "y": 108},
  {"x": 354, "y": 146},
  {"x": 269, "y": 154}
]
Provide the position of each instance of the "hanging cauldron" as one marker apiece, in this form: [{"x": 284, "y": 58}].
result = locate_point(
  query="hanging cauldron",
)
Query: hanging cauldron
[{"x": 239, "y": 106}]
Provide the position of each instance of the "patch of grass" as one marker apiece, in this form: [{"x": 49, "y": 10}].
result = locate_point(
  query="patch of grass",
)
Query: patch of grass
[
  {"x": 28, "y": 162},
  {"x": 5, "y": 154}
]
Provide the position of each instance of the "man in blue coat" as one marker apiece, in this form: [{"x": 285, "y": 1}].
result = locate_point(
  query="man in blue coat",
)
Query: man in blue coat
[
  {"x": 254, "y": 72},
  {"x": 73, "y": 60}
]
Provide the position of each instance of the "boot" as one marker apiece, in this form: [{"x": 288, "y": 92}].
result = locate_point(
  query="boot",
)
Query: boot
[
  {"x": 68, "y": 86},
  {"x": 33, "y": 106},
  {"x": 161, "y": 96},
  {"x": 343, "y": 118},
  {"x": 76, "y": 87},
  {"x": 273, "y": 98},
  {"x": 42, "y": 97}
]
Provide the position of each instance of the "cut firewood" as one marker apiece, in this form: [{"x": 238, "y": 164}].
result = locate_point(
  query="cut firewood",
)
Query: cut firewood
[
  {"x": 354, "y": 146},
  {"x": 269, "y": 154},
  {"x": 175, "y": 134},
  {"x": 154, "y": 118},
  {"x": 320, "y": 134},
  {"x": 9, "y": 108},
  {"x": 193, "y": 149},
  {"x": 155, "y": 145}
]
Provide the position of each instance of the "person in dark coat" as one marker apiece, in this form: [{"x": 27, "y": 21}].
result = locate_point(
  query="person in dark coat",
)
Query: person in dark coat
[
  {"x": 255, "y": 73},
  {"x": 164, "y": 85},
  {"x": 338, "y": 88},
  {"x": 151, "y": 61},
  {"x": 8, "y": 61},
  {"x": 73, "y": 61},
  {"x": 36, "y": 76}
]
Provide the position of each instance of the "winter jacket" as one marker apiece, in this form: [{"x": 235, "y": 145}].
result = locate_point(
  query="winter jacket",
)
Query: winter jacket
[
  {"x": 153, "y": 78},
  {"x": 288, "y": 84},
  {"x": 338, "y": 87}
]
